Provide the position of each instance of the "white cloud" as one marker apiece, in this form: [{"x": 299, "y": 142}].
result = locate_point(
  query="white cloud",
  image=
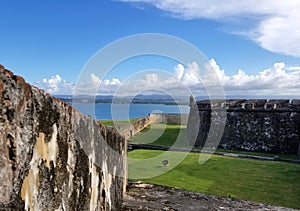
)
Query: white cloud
[
  {"x": 55, "y": 85},
  {"x": 95, "y": 85},
  {"x": 277, "y": 81},
  {"x": 95, "y": 80},
  {"x": 179, "y": 70},
  {"x": 115, "y": 82},
  {"x": 276, "y": 23}
]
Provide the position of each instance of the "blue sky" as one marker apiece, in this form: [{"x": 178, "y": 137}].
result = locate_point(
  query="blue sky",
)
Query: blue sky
[{"x": 49, "y": 42}]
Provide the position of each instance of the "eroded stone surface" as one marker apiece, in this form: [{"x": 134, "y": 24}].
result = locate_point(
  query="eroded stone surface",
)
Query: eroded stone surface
[
  {"x": 51, "y": 156},
  {"x": 253, "y": 125},
  {"x": 142, "y": 196}
]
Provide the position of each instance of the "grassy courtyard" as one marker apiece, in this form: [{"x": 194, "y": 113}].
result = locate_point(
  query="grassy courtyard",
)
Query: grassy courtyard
[
  {"x": 274, "y": 183},
  {"x": 162, "y": 135},
  {"x": 176, "y": 135}
]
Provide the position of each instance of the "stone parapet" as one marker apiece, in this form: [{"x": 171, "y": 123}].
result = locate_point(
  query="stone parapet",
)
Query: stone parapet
[
  {"x": 52, "y": 156},
  {"x": 259, "y": 125}
]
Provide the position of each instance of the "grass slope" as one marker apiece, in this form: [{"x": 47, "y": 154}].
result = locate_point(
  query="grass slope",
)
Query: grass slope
[
  {"x": 274, "y": 183},
  {"x": 111, "y": 123},
  {"x": 162, "y": 135}
]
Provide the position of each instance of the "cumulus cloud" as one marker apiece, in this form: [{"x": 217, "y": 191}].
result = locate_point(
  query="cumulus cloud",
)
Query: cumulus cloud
[
  {"x": 147, "y": 82},
  {"x": 274, "y": 25},
  {"x": 179, "y": 70},
  {"x": 276, "y": 81},
  {"x": 55, "y": 85}
]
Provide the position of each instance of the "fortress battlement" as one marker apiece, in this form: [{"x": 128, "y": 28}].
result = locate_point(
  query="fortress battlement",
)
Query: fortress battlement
[
  {"x": 274, "y": 105},
  {"x": 261, "y": 125}
]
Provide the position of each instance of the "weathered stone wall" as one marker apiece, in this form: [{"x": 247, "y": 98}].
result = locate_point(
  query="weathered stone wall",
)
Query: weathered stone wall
[
  {"x": 131, "y": 129},
  {"x": 164, "y": 118},
  {"x": 51, "y": 156},
  {"x": 252, "y": 125}
]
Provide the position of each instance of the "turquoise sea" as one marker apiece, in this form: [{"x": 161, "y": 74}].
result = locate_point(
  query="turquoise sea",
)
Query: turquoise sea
[{"x": 125, "y": 111}]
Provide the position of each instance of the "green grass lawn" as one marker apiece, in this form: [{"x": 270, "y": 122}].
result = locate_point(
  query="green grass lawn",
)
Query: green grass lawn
[
  {"x": 288, "y": 156},
  {"x": 162, "y": 135},
  {"x": 112, "y": 123},
  {"x": 275, "y": 183},
  {"x": 167, "y": 135}
]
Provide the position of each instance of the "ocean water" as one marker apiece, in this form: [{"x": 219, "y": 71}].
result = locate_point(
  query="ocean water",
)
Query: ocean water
[{"x": 126, "y": 111}]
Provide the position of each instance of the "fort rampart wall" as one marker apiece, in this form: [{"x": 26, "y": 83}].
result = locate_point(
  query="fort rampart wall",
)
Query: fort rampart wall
[
  {"x": 259, "y": 125},
  {"x": 52, "y": 157}
]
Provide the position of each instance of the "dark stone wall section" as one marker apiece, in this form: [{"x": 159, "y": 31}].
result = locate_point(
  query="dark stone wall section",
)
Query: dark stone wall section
[
  {"x": 252, "y": 125},
  {"x": 52, "y": 157}
]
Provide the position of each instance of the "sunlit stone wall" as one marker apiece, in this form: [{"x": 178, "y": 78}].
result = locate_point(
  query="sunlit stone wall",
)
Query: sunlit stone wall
[{"x": 52, "y": 157}]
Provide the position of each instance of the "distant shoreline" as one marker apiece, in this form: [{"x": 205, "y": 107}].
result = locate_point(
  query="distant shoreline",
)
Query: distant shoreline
[{"x": 95, "y": 101}]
